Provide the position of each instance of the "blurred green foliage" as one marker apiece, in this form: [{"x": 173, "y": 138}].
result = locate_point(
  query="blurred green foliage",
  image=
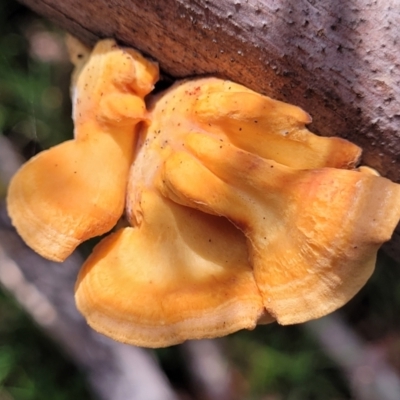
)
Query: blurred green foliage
[
  {"x": 286, "y": 362},
  {"x": 31, "y": 366},
  {"x": 272, "y": 362},
  {"x": 34, "y": 114},
  {"x": 33, "y": 79}
]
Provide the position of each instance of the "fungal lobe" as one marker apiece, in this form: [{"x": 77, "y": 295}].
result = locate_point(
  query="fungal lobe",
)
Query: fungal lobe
[
  {"x": 76, "y": 190},
  {"x": 237, "y": 214}
]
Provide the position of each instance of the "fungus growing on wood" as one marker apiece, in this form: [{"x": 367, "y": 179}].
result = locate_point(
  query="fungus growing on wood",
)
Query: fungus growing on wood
[
  {"x": 312, "y": 235},
  {"x": 237, "y": 214},
  {"x": 76, "y": 190}
]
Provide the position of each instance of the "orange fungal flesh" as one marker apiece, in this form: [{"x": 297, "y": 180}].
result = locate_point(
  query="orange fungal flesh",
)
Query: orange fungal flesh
[
  {"x": 258, "y": 124},
  {"x": 76, "y": 190},
  {"x": 304, "y": 265},
  {"x": 167, "y": 280},
  {"x": 237, "y": 214}
]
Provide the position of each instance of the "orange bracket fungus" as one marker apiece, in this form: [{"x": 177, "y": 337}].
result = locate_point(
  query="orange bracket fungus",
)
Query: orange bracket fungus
[
  {"x": 76, "y": 190},
  {"x": 237, "y": 214}
]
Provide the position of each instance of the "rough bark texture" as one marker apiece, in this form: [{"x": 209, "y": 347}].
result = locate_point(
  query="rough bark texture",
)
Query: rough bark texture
[{"x": 337, "y": 60}]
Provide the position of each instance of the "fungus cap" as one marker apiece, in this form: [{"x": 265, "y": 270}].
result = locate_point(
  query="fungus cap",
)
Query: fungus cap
[
  {"x": 76, "y": 190},
  {"x": 312, "y": 235},
  {"x": 217, "y": 159},
  {"x": 237, "y": 213},
  {"x": 168, "y": 280}
]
